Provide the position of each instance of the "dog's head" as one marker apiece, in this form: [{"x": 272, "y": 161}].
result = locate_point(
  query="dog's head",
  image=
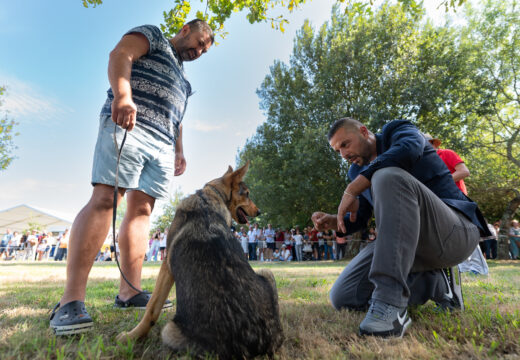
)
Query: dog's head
[{"x": 236, "y": 194}]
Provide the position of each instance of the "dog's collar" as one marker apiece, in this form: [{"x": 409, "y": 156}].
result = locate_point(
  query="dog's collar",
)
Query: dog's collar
[{"x": 216, "y": 190}]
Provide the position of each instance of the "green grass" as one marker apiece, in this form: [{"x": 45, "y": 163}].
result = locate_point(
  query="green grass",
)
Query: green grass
[{"x": 489, "y": 328}]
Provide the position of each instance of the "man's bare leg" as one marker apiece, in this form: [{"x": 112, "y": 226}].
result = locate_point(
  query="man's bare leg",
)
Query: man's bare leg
[
  {"x": 88, "y": 232},
  {"x": 133, "y": 237}
]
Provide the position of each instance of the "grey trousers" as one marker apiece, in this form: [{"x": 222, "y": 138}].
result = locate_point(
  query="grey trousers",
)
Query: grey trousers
[{"x": 418, "y": 235}]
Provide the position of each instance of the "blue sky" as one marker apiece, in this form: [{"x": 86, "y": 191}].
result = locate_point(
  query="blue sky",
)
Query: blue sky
[{"x": 54, "y": 63}]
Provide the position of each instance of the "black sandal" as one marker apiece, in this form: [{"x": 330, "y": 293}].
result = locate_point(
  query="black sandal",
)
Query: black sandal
[{"x": 71, "y": 318}]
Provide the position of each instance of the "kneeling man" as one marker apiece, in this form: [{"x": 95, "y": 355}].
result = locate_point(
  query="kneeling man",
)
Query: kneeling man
[{"x": 425, "y": 224}]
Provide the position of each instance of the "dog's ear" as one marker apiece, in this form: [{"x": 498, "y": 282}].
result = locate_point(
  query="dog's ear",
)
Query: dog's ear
[
  {"x": 229, "y": 170},
  {"x": 239, "y": 174}
]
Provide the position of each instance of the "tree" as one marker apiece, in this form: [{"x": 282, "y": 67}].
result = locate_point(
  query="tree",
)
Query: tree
[
  {"x": 372, "y": 66},
  {"x": 168, "y": 212},
  {"x": 217, "y": 12},
  {"x": 6, "y": 135},
  {"x": 494, "y": 29}
]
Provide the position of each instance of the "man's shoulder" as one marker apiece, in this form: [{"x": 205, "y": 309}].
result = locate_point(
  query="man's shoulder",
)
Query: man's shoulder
[
  {"x": 397, "y": 126},
  {"x": 150, "y": 31}
]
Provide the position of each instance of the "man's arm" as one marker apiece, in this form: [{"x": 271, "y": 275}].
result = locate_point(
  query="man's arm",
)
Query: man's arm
[
  {"x": 130, "y": 48},
  {"x": 461, "y": 172},
  {"x": 350, "y": 202},
  {"x": 180, "y": 161},
  {"x": 323, "y": 221}
]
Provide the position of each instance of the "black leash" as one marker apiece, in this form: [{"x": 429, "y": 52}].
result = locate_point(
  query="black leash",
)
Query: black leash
[{"x": 114, "y": 207}]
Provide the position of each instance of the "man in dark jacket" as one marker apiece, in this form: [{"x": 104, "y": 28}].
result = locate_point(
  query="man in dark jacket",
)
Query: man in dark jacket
[{"x": 424, "y": 223}]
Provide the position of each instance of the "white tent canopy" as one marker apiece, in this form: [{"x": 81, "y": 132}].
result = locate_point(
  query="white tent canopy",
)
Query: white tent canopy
[{"x": 19, "y": 218}]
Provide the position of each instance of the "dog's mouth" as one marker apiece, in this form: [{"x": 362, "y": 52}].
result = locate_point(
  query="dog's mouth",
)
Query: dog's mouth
[{"x": 242, "y": 216}]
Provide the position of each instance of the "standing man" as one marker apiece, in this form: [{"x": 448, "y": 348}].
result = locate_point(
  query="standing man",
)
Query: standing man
[
  {"x": 269, "y": 234},
  {"x": 424, "y": 224},
  {"x": 148, "y": 97},
  {"x": 253, "y": 234}
]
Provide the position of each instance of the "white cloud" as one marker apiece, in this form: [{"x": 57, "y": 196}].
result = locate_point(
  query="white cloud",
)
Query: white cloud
[
  {"x": 205, "y": 127},
  {"x": 25, "y": 100}
]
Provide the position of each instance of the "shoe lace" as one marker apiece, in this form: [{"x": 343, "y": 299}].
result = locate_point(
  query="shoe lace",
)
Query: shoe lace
[{"x": 379, "y": 309}]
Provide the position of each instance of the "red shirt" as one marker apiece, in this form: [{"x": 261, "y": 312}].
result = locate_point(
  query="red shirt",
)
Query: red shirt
[
  {"x": 451, "y": 159},
  {"x": 313, "y": 235}
]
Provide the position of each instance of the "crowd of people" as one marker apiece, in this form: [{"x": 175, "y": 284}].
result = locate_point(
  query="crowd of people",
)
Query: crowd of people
[
  {"x": 263, "y": 244},
  {"x": 258, "y": 243},
  {"x": 268, "y": 244},
  {"x": 34, "y": 245}
]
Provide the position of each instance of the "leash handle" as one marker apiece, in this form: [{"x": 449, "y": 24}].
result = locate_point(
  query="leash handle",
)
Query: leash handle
[{"x": 114, "y": 206}]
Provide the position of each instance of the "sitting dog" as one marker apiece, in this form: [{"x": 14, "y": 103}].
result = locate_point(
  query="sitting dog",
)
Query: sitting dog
[{"x": 223, "y": 307}]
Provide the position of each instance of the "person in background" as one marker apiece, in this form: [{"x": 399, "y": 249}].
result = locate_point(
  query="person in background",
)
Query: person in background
[
  {"x": 298, "y": 244},
  {"x": 269, "y": 234},
  {"x": 16, "y": 247},
  {"x": 163, "y": 242},
  {"x": 155, "y": 247},
  {"x": 41, "y": 247},
  {"x": 455, "y": 164},
  {"x": 279, "y": 238},
  {"x": 490, "y": 243},
  {"x": 253, "y": 235},
  {"x": 4, "y": 243},
  {"x": 63, "y": 245},
  {"x": 475, "y": 262},
  {"x": 31, "y": 244},
  {"x": 328, "y": 237},
  {"x": 276, "y": 255},
  {"x": 285, "y": 254},
  {"x": 341, "y": 246},
  {"x": 244, "y": 241},
  {"x": 514, "y": 239},
  {"x": 51, "y": 242}
]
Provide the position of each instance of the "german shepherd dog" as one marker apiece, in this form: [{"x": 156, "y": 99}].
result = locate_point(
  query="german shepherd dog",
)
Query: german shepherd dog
[{"x": 223, "y": 307}]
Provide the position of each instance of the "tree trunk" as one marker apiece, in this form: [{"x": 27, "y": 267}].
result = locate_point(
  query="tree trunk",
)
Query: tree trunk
[{"x": 507, "y": 217}]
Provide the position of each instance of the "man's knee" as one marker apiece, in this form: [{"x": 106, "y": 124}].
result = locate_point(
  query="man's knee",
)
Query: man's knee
[
  {"x": 347, "y": 297},
  {"x": 390, "y": 175},
  {"x": 102, "y": 197},
  {"x": 140, "y": 204}
]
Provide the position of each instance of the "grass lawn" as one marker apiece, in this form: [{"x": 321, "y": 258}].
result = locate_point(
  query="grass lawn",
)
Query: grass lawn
[{"x": 489, "y": 328}]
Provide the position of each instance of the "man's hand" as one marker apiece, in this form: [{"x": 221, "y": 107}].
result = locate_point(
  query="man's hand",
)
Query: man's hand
[
  {"x": 323, "y": 221},
  {"x": 348, "y": 203},
  {"x": 124, "y": 112},
  {"x": 180, "y": 163}
]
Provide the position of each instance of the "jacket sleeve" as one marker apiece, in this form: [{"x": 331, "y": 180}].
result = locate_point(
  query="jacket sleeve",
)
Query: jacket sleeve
[{"x": 404, "y": 144}]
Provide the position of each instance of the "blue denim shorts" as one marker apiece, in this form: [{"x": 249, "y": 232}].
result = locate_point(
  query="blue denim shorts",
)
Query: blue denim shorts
[{"x": 147, "y": 161}]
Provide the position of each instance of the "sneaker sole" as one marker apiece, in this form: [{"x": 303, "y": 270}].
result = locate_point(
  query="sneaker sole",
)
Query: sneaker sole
[
  {"x": 165, "y": 306},
  {"x": 388, "y": 334},
  {"x": 72, "y": 329}
]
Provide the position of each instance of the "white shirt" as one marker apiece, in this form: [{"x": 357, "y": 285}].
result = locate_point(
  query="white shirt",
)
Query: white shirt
[
  {"x": 162, "y": 242},
  {"x": 252, "y": 234},
  {"x": 298, "y": 239},
  {"x": 269, "y": 235}
]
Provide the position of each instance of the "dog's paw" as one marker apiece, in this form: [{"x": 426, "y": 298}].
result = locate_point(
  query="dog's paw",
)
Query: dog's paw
[{"x": 123, "y": 337}]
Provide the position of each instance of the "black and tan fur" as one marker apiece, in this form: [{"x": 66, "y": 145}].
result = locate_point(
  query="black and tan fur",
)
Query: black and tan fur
[{"x": 223, "y": 306}]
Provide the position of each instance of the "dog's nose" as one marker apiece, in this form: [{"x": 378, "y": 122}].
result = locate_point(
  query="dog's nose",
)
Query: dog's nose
[{"x": 258, "y": 212}]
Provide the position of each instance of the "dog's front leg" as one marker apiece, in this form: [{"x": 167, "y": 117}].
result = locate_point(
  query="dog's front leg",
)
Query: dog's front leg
[{"x": 162, "y": 288}]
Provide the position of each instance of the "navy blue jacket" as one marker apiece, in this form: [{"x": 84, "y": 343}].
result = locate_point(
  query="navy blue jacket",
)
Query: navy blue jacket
[{"x": 402, "y": 145}]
